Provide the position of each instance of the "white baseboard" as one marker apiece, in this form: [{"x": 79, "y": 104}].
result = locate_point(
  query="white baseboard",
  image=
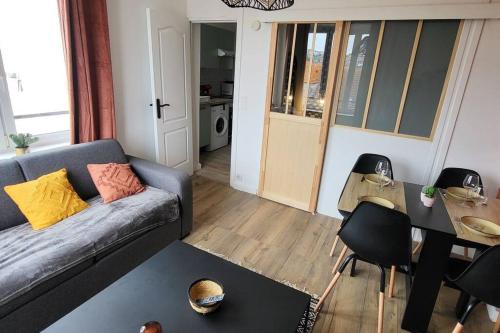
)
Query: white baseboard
[{"x": 243, "y": 187}]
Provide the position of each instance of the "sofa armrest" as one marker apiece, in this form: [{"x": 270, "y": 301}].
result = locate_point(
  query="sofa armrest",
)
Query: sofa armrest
[{"x": 171, "y": 180}]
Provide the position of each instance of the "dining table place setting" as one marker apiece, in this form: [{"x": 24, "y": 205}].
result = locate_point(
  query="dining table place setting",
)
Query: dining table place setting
[
  {"x": 474, "y": 217},
  {"x": 455, "y": 210},
  {"x": 378, "y": 187}
]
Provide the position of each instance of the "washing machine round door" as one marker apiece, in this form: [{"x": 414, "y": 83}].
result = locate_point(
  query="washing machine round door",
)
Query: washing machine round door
[{"x": 221, "y": 125}]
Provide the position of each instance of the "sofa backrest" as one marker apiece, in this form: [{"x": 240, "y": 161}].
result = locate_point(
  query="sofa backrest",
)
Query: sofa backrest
[
  {"x": 10, "y": 215},
  {"x": 75, "y": 159}
]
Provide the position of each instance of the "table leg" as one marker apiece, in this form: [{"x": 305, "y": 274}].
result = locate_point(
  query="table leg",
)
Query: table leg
[{"x": 431, "y": 268}]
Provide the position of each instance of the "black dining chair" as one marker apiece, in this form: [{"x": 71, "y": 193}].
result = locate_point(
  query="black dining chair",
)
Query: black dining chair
[
  {"x": 480, "y": 280},
  {"x": 454, "y": 177},
  {"x": 379, "y": 236},
  {"x": 365, "y": 164}
]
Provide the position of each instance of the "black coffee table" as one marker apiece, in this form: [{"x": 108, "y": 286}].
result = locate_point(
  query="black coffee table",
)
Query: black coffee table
[{"x": 157, "y": 290}]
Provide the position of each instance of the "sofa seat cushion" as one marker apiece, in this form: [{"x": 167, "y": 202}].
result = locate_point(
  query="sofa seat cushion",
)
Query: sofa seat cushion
[{"x": 28, "y": 257}]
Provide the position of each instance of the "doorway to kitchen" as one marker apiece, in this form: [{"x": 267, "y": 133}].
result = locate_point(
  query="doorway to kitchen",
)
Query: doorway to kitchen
[{"x": 214, "y": 50}]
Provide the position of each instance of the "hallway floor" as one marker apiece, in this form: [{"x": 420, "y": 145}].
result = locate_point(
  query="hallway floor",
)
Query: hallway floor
[{"x": 215, "y": 165}]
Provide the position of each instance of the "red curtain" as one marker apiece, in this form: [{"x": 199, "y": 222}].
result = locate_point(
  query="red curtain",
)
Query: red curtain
[{"x": 84, "y": 25}]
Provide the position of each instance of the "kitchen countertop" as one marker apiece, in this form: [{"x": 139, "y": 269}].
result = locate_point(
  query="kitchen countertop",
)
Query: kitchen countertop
[{"x": 217, "y": 100}]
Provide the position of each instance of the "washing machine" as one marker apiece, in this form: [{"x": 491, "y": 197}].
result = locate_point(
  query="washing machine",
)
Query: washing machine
[{"x": 219, "y": 126}]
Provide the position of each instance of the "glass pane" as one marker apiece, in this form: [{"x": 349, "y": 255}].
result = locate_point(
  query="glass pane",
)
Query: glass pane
[
  {"x": 35, "y": 67},
  {"x": 43, "y": 125},
  {"x": 427, "y": 80},
  {"x": 298, "y": 88},
  {"x": 282, "y": 64},
  {"x": 317, "y": 69},
  {"x": 360, "y": 52},
  {"x": 394, "y": 58}
]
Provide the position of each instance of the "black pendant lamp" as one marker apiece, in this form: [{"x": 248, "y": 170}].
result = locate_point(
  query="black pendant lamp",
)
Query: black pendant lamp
[{"x": 260, "y": 4}]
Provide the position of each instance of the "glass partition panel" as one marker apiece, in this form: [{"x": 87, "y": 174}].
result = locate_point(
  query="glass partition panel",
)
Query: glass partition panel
[
  {"x": 317, "y": 69},
  {"x": 429, "y": 73},
  {"x": 284, "y": 42},
  {"x": 358, "y": 64},
  {"x": 298, "y": 90},
  {"x": 392, "y": 68}
]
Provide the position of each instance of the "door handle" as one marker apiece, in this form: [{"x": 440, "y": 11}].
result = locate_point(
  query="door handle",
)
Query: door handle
[{"x": 158, "y": 108}]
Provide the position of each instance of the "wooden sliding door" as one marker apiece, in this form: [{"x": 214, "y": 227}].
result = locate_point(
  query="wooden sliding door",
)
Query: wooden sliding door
[{"x": 302, "y": 75}]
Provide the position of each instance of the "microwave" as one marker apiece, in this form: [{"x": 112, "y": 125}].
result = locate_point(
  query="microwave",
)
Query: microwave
[{"x": 227, "y": 88}]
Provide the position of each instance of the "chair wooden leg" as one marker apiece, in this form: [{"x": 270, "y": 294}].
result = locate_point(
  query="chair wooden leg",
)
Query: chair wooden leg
[
  {"x": 497, "y": 325},
  {"x": 327, "y": 291},
  {"x": 339, "y": 260},
  {"x": 459, "y": 328},
  {"x": 380, "y": 323},
  {"x": 334, "y": 245},
  {"x": 417, "y": 248},
  {"x": 391, "y": 281}
]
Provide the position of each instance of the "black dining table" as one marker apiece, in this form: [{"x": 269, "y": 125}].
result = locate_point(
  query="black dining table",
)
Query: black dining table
[
  {"x": 439, "y": 235},
  {"x": 433, "y": 260}
]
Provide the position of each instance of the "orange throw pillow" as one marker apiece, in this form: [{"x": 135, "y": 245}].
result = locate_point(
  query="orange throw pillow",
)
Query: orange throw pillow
[{"x": 114, "y": 181}]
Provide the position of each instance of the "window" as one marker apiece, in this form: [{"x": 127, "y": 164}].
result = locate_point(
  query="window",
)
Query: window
[
  {"x": 301, "y": 68},
  {"x": 33, "y": 83},
  {"x": 393, "y": 75},
  {"x": 361, "y": 44}
]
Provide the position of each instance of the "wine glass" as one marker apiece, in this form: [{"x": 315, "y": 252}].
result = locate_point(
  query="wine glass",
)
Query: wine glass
[
  {"x": 470, "y": 183},
  {"x": 481, "y": 195},
  {"x": 382, "y": 169},
  {"x": 389, "y": 180}
]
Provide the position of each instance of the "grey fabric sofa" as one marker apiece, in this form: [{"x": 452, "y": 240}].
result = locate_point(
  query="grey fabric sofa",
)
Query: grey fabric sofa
[{"x": 45, "y": 274}]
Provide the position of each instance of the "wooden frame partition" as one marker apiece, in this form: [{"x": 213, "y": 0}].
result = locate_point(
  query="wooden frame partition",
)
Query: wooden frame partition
[
  {"x": 324, "y": 123},
  {"x": 373, "y": 74},
  {"x": 408, "y": 76},
  {"x": 396, "y": 131},
  {"x": 325, "y": 120},
  {"x": 269, "y": 93}
]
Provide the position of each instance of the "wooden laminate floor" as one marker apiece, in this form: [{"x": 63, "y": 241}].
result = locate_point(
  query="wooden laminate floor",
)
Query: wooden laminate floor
[
  {"x": 288, "y": 244},
  {"x": 216, "y": 164}
]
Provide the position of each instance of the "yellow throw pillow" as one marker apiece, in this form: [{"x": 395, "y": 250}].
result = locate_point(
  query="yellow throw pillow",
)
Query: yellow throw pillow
[{"x": 46, "y": 200}]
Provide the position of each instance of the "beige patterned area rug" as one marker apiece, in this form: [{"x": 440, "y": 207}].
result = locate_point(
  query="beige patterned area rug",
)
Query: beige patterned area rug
[{"x": 307, "y": 321}]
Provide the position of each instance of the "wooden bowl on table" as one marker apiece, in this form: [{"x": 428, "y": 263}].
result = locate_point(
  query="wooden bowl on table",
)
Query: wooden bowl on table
[{"x": 201, "y": 289}]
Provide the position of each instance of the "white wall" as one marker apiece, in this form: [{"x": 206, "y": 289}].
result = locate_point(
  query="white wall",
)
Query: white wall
[
  {"x": 475, "y": 142},
  {"x": 409, "y": 158},
  {"x": 412, "y": 159},
  {"x": 131, "y": 74},
  {"x": 252, "y": 50}
]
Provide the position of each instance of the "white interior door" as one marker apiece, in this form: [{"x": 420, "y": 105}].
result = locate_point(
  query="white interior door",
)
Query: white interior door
[{"x": 169, "y": 55}]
